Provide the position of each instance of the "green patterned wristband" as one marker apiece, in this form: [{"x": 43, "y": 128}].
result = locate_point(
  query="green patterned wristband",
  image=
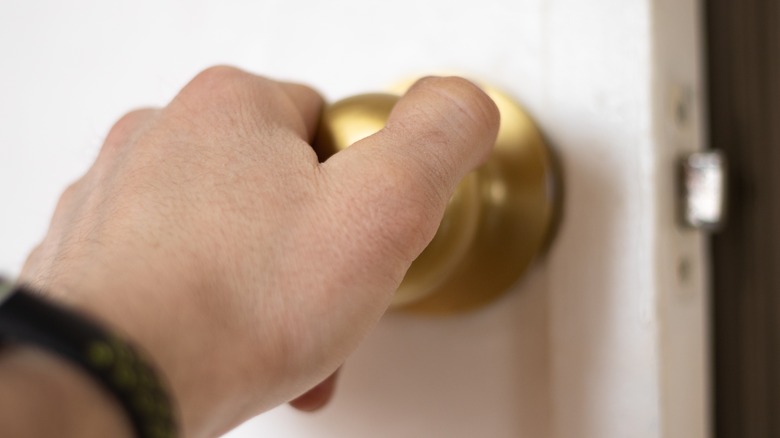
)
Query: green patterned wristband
[{"x": 27, "y": 317}]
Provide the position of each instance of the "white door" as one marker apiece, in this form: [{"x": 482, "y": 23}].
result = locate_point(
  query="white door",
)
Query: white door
[{"x": 605, "y": 338}]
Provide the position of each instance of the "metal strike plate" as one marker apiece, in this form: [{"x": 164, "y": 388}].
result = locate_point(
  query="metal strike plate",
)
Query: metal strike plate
[{"x": 703, "y": 190}]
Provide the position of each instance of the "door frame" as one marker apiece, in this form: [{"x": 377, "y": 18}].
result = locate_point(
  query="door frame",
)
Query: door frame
[{"x": 743, "y": 52}]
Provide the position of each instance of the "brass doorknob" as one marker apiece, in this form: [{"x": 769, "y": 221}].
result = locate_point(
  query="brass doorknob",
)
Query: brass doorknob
[{"x": 497, "y": 222}]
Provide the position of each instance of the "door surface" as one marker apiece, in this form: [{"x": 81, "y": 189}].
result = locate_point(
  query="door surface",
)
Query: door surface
[{"x": 606, "y": 337}]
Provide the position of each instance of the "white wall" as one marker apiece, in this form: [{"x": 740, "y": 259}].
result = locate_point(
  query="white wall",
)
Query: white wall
[{"x": 603, "y": 339}]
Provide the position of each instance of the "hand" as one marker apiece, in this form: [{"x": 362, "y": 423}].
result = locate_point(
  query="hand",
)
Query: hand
[{"x": 208, "y": 232}]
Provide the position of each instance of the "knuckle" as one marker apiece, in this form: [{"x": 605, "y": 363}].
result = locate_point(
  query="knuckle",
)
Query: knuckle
[
  {"x": 225, "y": 97},
  {"x": 68, "y": 199},
  {"x": 73, "y": 191},
  {"x": 217, "y": 75},
  {"x": 224, "y": 82},
  {"x": 131, "y": 120},
  {"x": 70, "y": 192},
  {"x": 126, "y": 128}
]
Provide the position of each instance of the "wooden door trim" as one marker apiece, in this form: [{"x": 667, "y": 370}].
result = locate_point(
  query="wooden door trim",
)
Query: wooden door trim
[{"x": 743, "y": 39}]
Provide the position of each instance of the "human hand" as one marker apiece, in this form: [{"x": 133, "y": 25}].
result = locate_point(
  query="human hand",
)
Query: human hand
[{"x": 208, "y": 232}]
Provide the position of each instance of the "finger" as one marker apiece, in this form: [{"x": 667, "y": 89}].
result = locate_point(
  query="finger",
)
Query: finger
[
  {"x": 317, "y": 397},
  {"x": 441, "y": 128},
  {"x": 447, "y": 124},
  {"x": 439, "y": 131},
  {"x": 309, "y": 104}
]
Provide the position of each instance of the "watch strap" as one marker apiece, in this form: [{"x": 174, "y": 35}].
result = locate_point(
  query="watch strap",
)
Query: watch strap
[{"x": 27, "y": 317}]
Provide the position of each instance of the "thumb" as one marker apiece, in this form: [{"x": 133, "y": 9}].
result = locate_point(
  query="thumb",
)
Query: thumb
[{"x": 438, "y": 132}]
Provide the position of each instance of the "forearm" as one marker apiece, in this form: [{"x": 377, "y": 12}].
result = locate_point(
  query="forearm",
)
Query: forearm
[{"x": 43, "y": 396}]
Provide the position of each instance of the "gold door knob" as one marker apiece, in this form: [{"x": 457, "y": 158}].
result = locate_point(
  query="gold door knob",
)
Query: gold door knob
[{"x": 497, "y": 222}]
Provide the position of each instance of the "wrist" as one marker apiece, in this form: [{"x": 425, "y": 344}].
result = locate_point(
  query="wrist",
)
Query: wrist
[
  {"x": 44, "y": 396},
  {"x": 140, "y": 309},
  {"x": 168, "y": 309},
  {"x": 109, "y": 361}
]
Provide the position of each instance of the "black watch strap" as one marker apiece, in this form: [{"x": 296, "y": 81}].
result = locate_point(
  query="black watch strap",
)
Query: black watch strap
[{"x": 27, "y": 317}]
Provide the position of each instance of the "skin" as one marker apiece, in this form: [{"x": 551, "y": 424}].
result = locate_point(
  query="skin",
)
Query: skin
[{"x": 209, "y": 234}]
